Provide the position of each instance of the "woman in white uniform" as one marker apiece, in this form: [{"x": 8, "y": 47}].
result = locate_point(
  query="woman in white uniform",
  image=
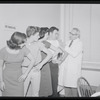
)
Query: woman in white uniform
[{"x": 70, "y": 69}]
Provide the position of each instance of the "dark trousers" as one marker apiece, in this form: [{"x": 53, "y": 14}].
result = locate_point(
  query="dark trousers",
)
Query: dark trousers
[{"x": 54, "y": 77}]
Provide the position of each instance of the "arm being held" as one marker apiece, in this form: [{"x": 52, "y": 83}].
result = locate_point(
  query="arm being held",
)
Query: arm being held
[
  {"x": 63, "y": 57},
  {"x": 56, "y": 50},
  {"x": 47, "y": 58}
]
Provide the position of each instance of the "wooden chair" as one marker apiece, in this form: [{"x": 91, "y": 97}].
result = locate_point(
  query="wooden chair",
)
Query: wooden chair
[{"x": 84, "y": 88}]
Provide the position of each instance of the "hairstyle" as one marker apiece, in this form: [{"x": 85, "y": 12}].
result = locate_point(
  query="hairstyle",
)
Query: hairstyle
[
  {"x": 32, "y": 30},
  {"x": 16, "y": 39},
  {"x": 76, "y": 30},
  {"x": 43, "y": 31},
  {"x": 52, "y": 29}
]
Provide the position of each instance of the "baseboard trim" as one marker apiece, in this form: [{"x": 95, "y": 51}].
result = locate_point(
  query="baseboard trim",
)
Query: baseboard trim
[
  {"x": 91, "y": 66},
  {"x": 90, "y": 69}
]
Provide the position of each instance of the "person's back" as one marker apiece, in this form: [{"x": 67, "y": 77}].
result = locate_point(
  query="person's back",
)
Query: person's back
[
  {"x": 12, "y": 68},
  {"x": 12, "y": 57},
  {"x": 35, "y": 51}
]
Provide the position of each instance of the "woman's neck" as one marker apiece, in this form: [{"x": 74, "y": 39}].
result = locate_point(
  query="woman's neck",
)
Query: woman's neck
[
  {"x": 51, "y": 38},
  {"x": 42, "y": 40},
  {"x": 29, "y": 42},
  {"x": 12, "y": 51}
]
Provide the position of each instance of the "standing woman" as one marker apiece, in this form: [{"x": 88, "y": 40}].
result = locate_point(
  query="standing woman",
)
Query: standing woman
[
  {"x": 35, "y": 47},
  {"x": 70, "y": 69},
  {"x": 11, "y": 78},
  {"x": 45, "y": 84}
]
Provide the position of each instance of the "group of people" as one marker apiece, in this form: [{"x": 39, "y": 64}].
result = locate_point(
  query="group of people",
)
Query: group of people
[{"x": 39, "y": 58}]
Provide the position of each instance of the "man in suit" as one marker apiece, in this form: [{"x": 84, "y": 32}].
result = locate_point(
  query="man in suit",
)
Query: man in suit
[{"x": 70, "y": 69}]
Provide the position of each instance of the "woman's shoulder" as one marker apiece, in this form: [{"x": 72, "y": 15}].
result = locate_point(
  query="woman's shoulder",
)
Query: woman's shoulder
[
  {"x": 24, "y": 48},
  {"x": 47, "y": 44},
  {"x": 3, "y": 49},
  {"x": 3, "y": 52},
  {"x": 40, "y": 43}
]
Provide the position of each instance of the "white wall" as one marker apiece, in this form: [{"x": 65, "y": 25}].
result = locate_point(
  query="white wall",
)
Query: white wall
[
  {"x": 95, "y": 32},
  {"x": 86, "y": 17},
  {"x": 81, "y": 19},
  {"x": 19, "y": 16}
]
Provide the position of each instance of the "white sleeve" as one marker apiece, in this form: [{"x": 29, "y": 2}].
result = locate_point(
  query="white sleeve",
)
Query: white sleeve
[{"x": 74, "y": 51}]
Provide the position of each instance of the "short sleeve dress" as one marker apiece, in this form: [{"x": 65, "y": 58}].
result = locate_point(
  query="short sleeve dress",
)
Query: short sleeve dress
[
  {"x": 45, "y": 84},
  {"x": 13, "y": 71}
]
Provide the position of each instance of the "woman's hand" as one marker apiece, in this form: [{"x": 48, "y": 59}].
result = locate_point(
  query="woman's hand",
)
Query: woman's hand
[
  {"x": 57, "y": 61},
  {"x": 2, "y": 86},
  {"x": 35, "y": 69},
  {"x": 22, "y": 77}
]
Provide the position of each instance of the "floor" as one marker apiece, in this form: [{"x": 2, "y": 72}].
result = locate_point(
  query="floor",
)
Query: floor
[{"x": 29, "y": 92}]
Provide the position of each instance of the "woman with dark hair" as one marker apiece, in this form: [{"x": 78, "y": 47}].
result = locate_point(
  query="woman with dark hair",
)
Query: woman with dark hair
[
  {"x": 11, "y": 78},
  {"x": 44, "y": 32},
  {"x": 45, "y": 85}
]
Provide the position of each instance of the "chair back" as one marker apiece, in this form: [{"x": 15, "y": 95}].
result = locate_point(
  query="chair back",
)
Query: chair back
[{"x": 84, "y": 88}]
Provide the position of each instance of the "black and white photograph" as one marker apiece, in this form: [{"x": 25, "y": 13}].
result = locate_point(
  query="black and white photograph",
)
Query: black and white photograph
[{"x": 49, "y": 50}]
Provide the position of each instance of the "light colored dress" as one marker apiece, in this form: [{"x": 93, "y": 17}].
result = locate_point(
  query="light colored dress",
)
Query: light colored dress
[
  {"x": 34, "y": 76},
  {"x": 13, "y": 71}
]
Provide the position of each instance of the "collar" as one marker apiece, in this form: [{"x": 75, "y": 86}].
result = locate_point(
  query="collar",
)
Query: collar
[{"x": 76, "y": 40}]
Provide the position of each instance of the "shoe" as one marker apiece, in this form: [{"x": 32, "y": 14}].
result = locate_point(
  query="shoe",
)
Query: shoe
[
  {"x": 61, "y": 95},
  {"x": 50, "y": 96},
  {"x": 53, "y": 95}
]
